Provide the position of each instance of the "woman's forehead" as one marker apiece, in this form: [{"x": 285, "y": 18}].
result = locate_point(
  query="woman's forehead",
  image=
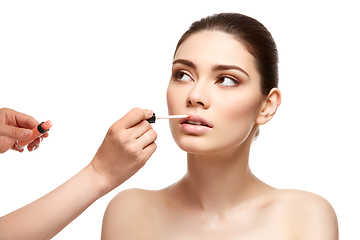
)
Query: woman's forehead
[{"x": 209, "y": 48}]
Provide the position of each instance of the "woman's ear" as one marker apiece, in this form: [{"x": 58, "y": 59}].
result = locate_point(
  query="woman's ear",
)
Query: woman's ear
[{"x": 269, "y": 107}]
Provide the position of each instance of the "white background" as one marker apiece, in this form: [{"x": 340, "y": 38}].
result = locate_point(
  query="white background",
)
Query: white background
[{"x": 84, "y": 64}]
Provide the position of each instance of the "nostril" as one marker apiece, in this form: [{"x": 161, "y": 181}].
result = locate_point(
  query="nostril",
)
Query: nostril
[{"x": 190, "y": 103}]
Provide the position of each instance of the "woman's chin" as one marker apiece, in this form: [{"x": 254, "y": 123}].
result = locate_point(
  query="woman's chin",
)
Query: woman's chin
[{"x": 198, "y": 146}]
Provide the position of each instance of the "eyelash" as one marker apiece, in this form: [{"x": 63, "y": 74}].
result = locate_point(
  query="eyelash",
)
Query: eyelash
[
  {"x": 176, "y": 76},
  {"x": 236, "y": 82}
]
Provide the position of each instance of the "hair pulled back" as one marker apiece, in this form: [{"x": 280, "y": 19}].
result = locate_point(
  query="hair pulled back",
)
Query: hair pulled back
[{"x": 250, "y": 32}]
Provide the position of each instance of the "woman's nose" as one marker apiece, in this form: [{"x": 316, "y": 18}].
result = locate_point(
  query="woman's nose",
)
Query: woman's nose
[{"x": 198, "y": 96}]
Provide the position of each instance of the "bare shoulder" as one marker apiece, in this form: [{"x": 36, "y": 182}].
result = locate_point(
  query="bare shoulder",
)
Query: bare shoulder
[
  {"x": 310, "y": 216},
  {"x": 129, "y": 211}
]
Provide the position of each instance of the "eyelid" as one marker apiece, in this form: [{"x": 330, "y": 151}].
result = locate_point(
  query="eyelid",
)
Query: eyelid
[
  {"x": 232, "y": 78},
  {"x": 175, "y": 75},
  {"x": 180, "y": 67}
]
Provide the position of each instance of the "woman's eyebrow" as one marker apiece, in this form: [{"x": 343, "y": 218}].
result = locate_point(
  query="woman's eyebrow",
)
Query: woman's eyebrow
[
  {"x": 229, "y": 67},
  {"x": 185, "y": 62},
  {"x": 217, "y": 67}
]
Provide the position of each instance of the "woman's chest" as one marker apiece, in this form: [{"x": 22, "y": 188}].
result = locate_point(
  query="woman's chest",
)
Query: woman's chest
[{"x": 247, "y": 225}]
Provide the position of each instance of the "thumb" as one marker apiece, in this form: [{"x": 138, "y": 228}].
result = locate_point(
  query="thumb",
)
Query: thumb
[{"x": 15, "y": 132}]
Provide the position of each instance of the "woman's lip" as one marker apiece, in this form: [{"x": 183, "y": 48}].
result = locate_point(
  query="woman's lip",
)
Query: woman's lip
[
  {"x": 196, "y": 118},
  {"x": 194, "y": 129}
]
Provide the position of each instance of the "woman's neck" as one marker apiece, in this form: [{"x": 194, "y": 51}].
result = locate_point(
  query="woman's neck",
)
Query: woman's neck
[{"x": 218, "y": 182}]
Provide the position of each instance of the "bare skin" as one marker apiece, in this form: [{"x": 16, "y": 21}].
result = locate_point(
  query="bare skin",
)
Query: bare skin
[
  {"x": 219, "y": 197},
  {"x": 208, "y": 208},
  {"x": 277, "y": 214}
]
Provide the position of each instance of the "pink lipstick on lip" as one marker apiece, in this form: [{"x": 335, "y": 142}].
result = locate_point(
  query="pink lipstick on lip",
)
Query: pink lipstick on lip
[{"x": 195, "y": 125}]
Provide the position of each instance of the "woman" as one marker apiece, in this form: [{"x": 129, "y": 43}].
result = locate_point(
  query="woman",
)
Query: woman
[{"x": 224, "y": 73}]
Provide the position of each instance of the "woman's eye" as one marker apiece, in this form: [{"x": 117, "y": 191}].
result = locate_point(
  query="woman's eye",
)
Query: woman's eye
[
  {"x": 227, "y": 81},
  {"x": 181, "y": 77}
]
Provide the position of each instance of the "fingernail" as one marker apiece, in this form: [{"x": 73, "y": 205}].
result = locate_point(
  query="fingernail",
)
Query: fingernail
[
  {"x": 26, "y": 133},
  {"x": 149, "y": 112},
  {"x": 33, "y": 148}
]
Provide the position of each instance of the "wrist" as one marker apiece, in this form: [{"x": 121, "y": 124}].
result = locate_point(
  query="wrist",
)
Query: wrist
[{"x": 98, "y": 181}]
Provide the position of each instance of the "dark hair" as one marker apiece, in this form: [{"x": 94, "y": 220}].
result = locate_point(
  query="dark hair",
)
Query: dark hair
[{"x": 250, "y": 32}]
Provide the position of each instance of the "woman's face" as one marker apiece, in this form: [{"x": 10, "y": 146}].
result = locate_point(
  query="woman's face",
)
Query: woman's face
[{"x": 214, "y": 78}]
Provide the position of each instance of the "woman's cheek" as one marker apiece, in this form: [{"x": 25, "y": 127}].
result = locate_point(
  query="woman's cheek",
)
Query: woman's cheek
[
  {"x": 176, "y": 98},
  {"x": 237, "y": 121},
  {"x": 171, "y": 100}
]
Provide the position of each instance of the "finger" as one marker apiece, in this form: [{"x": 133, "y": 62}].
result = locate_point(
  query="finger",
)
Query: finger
[
  {"x": 25, "y": 121},
  {"x": 139, "y": 129},
  {"x": 149, "y": 150},
  {"x": 134, "y": 116},
  {"x": 33, "y": 146},
  {"x": 18, "y": 119},
  {"x": 147, "y": 138},
  {"x": 36, "y": 143},
  {"x": 14, "y": 125},
  {"x": 15, "y": 132},
  {"x": 17, "y": 149},
  {"x": 45, "y": 135}
]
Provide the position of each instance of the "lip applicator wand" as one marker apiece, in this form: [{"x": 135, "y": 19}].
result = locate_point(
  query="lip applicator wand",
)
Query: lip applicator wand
[{"x": 154, "y": 117}]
